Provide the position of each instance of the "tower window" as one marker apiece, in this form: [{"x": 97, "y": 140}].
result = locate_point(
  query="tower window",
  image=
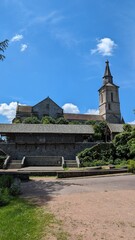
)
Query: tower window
[
  {"x": 109, "y": 106},
  {"x": 101, "y": 97},
  {"x": 111, "y": 97}
]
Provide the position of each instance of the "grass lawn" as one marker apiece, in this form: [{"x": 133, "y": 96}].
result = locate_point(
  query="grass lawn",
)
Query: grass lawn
[{"x": 21, "y": 220}]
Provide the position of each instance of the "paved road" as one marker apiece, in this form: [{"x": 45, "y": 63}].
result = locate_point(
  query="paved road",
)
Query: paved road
[
  {"x": 95, "y": 184},
  {"x": 50, "y": 187}
]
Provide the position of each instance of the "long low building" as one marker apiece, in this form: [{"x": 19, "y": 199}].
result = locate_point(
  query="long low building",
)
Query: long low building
[{"x": 19, "y": 140}]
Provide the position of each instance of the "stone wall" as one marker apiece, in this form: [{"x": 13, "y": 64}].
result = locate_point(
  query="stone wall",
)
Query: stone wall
[{"x": 67, "y": 150}]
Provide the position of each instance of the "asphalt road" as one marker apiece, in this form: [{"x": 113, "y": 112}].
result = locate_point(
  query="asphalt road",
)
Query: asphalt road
[
  {"x": 95, "y": 184},
  {"x": 52, "y": 187}
]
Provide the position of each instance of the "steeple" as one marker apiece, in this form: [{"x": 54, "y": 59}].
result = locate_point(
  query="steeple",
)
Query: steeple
[
  {"x": 109, "y": 104},
  {"x": 107, "y": 78}
]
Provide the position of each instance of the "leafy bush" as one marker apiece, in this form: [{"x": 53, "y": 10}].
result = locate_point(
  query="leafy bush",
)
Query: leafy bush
[
  {"x": 9, "y": 187},
  {"x": 127, "y": 128},
  {"x": 6, "y": 181},
  {"x": 15, "y": 188},
  {"x": 4, "y": 196},
  {"x": 62, "y": 120},
  {"x": 100, "y": 154},
  {"x": 100, "y": 129},
  {"x": 31, "y": 120},
  {"x": 125, "y": 143},
  {"x": 16, "y": 120},
  {"x": 47, "y": 120},
  {"x": 131, "y": 166}
]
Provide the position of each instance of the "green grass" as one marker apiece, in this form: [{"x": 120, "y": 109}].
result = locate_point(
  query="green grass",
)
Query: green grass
[{"x": 24, "y": 221}]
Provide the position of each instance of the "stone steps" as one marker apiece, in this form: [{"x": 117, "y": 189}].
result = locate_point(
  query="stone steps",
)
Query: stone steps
[
  {"x": 14, "y": 164},
  {"x": 71, "y": 163}
]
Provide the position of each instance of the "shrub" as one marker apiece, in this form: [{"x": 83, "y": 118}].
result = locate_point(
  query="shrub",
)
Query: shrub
[
  {"x": 9, "y": 187},
  {"x": 31, "y": 120},
  {"x": 16, "y": 120},
  {"x": 4, "y": 196},
  {"x": 100, "y": 154},
  {"x": 62, "y": 120},
  {"x": 15, "y": 188},
  {"x": 131, "y": 166},
  {"x": 6, "y": 181},
  {"x": 127, "y": 128},
  {"x": 47, "y": 120}
]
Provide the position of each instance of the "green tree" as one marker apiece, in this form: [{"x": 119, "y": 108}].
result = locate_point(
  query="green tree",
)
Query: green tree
[
  {"x": 62, "y": 120},
  {"x": 16, "y": 120},
  {"x": 31, "y": 120},
  {"x": 125, "y": 143},
  {"x": 3, "y": 46},
  {"x": 47, "y": 120},
  {"x": 100, "y": 129}
]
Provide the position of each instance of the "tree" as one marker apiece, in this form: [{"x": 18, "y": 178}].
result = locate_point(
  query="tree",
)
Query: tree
[
  {"x": 31, "y": 120},
  {"x": 47, "y": 120},
  {"x": 100, "y": 129},
  {"x": 62, "y": 120},
  {"x": 3, "y": 46}
]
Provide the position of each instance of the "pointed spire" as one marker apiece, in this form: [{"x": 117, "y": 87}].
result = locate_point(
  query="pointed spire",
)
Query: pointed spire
[{"x": 107, "y": 78}]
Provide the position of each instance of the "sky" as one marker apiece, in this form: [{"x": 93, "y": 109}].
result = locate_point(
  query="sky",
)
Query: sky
[{"x": 58, "y": 48}]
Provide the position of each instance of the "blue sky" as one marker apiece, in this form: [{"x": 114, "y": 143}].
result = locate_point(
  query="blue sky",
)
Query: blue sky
[{"x": 58, "y": 48}]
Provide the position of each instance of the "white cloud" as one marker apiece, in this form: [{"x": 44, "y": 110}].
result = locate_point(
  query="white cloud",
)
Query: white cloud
[
  {"x": 23, "y": 47},
  {"x": 16, "y": 38},
  {"x": 92, "y": 111},
  {"x": 133, "y": 122},
  {"x": 70, "y": 108},
  {"x": 104, "y": 47},
  {"x": 8, "y": 110}
]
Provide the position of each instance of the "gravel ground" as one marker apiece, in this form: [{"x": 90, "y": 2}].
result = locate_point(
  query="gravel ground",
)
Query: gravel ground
[{"x": 101, "y": 208}]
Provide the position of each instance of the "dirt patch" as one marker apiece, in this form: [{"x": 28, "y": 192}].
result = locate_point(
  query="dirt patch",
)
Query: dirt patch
[{"x": 100, "y": 215}]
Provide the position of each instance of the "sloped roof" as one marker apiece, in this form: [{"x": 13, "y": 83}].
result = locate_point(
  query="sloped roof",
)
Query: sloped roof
[
  {"x": 26, "y": 109},
  {"x": 83, "y": 117},
  {"x": 46, "y": 128},
  {"x": 46, "y": 100},
  {"x": 117, "y": 128}
]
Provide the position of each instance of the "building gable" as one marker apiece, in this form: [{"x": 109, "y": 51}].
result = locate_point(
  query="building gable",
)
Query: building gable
[{"x": 47, "y": 107}]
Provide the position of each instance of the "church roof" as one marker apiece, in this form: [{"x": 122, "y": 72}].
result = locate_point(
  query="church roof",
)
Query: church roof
[
  {"x": 46, "y": 128},
  {"x": 83, "y": 117},
  {"x": 26, "y": 109}
]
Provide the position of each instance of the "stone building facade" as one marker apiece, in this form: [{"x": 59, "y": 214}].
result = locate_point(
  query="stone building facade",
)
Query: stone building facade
[{"x": 47, "y": 107}]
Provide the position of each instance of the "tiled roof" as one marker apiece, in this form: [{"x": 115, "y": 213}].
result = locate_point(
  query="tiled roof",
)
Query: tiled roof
[
  {"x": 25, "y": 109},
  {"x": 46, "y": 128},
  {"x": 83, "y": 117},
  {"x": 117, "y": 128}
]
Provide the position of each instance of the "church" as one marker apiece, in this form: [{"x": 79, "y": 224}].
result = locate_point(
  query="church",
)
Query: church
[
  {"x": 56, "y": 144},
  {"x": 109, "y": 105}
]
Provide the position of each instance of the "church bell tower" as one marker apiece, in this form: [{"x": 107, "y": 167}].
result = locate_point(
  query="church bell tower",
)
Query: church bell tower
[{"x": 109, "y": 104}]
